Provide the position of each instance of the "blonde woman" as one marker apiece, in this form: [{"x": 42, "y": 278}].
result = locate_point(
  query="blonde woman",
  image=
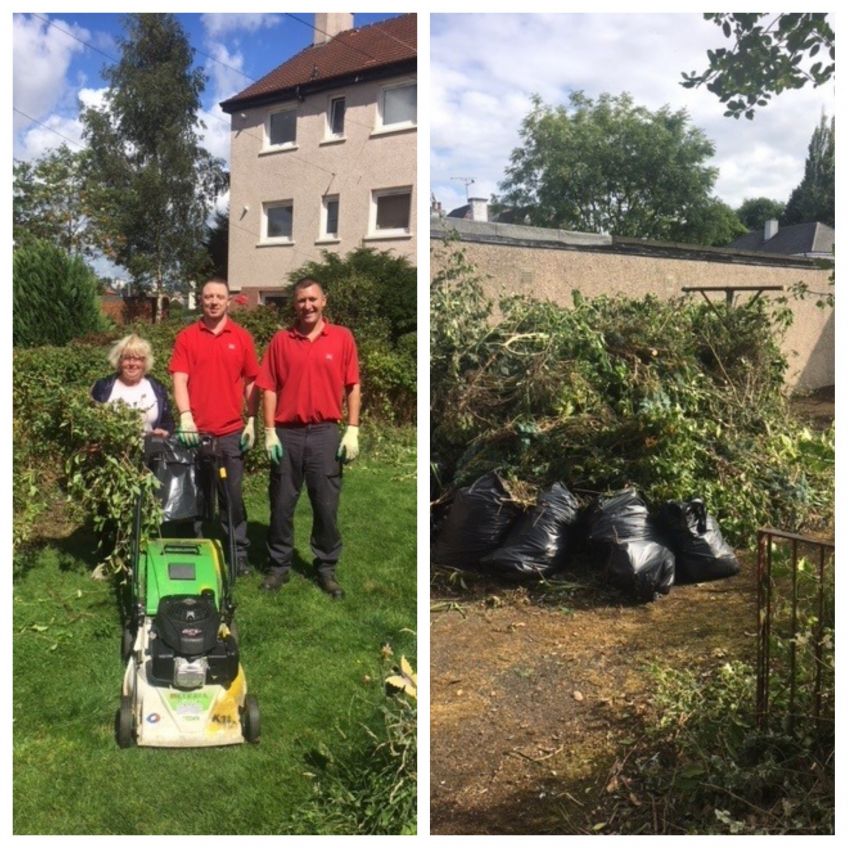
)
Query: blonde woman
[{"x": 132, "y": 358}]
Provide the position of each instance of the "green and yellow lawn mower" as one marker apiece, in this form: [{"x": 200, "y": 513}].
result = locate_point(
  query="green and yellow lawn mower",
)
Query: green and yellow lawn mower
[{"x": 184, "y": 685}]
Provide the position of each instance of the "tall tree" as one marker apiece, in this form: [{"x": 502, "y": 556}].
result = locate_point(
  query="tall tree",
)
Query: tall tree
[
  {"x": 814, "y": 198},
  {"x": 217, "y": 244},
  {"x": 755, "y": 211},
  {"x": 769, "y": 54},
  {"x": 155, "y": 183},
  {"x": 49, "y": 201},
  {"x": 610, "y": 166}
]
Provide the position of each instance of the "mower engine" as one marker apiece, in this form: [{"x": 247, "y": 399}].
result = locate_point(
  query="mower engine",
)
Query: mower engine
[{"x": 188, "y": 645}]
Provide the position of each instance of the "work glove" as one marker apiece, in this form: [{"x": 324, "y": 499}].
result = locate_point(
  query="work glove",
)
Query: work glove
[
  {"x": 187, "y": 431},
  {"x": 248, "y": 435},
  {"x": 349, "y": 447},
  {"x": 273, "y": 446}
]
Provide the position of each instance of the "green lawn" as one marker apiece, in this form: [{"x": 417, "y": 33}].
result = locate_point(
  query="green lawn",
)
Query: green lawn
[{"x": 314, "y": 664}]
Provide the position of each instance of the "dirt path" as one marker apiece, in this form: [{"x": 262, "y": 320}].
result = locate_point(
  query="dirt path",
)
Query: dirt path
[{"x": 535, "y": 699}]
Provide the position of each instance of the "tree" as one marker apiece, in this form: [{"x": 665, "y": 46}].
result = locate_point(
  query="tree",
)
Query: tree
[
  {"x": 217, "y": 244},
  {"x": 766, "y": 58},
  {"x": 755, "y": 211},
  {"x": 54, "y": 296},
  {"x": 814, "y": 198},
  {"x": 50, "y": 201},
  {"x": 154, "y": 183},
  {"x": 610, "y": 166}
]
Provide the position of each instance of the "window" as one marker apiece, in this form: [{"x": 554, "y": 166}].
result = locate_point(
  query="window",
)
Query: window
[
  {"x": 390, "y": 212},
  {"x": 399, "y": 106},
  {"x": 278, "y": 221},
  {"x": 282, "y": 128},
  {"x": 336, "y": 117},
  {"x": 330, "y": 217}
]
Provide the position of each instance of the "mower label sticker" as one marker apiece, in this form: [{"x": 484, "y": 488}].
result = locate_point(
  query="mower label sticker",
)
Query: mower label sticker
[
  {"x": 187, "y": 704},
  {"x": 152, "y": 718}
]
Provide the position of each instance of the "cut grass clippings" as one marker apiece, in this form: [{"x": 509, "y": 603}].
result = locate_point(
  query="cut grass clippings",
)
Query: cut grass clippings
[{"x": 314, "y": 664}]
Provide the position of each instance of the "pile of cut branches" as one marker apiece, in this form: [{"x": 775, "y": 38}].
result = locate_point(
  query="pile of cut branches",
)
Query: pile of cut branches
[{"x": 676, "y": 398}]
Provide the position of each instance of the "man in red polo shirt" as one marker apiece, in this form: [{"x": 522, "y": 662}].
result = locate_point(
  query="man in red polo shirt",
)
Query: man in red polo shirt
[
  {"x": 214, "y": 368},
  {"x": 306, "y": 373}
]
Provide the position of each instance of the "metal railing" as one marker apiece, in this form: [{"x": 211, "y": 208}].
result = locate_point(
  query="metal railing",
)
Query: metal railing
[{"x": 811, "y": 607}]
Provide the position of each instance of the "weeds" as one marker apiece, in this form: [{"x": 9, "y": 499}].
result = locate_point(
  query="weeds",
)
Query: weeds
[{"x": 369, "y": 788}]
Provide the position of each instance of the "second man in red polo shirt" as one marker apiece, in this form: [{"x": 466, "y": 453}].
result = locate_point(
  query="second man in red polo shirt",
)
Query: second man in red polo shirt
[{"x": 307, "y": 372}]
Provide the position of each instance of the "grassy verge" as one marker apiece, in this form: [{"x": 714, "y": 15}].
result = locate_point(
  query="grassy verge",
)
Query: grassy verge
[{"x": 315, "y": 665}]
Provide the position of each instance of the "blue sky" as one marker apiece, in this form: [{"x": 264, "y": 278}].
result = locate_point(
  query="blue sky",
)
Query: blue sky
[
  {"x": 58, "y": 58},
  {"x": 483, "y": 69}
]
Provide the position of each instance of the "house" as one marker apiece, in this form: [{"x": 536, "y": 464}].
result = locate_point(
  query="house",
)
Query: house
[
  {"x": 813, "y": 240},
  {"x": 323, "y": 154}
]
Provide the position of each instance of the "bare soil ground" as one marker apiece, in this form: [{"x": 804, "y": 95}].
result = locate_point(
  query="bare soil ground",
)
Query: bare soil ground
[{"x": 537, "y": 696}]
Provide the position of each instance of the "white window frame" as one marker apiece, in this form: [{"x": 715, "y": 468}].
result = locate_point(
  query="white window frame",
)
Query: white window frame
[
  {"x": 396, "y": 232},
  {"x": 329, "y": 135},
  {"x": 382, "y": 126},
  {"x": 286, "y": 145},
  {"x": 324, "y": 235},
  {"x": 276, "y": 204}
]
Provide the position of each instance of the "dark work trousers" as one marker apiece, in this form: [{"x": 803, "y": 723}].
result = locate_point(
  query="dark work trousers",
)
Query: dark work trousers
[
  {"x": 309, "y": 455},
  {"x": 233, "y": 461}
]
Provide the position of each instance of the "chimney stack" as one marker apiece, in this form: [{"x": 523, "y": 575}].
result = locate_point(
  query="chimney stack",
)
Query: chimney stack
[
  {"x": 770, "y": 229},
  {"x": 328, "y": 25},
  {"x": 479, "y": 208}
]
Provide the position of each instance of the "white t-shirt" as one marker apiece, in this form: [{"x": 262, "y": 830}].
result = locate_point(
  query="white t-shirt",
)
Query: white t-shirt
[{"x": 139, "y": 396}]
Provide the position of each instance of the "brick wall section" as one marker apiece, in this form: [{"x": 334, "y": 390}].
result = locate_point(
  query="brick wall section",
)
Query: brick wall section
[{"x": 551, "y": 264}]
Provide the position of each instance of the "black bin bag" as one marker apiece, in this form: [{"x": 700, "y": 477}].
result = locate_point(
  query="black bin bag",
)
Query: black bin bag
[
  {"x": 626, "y": 543},
  {"x": 175, "y": 467},
  {"x": 477, "y": 521},
  {"x": 537, "y": 544},
  {"x": 700, "y": 552}
]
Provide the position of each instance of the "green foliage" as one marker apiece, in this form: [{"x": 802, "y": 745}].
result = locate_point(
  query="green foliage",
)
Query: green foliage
[
  {"x": 50, "y": 201},
  {"x": 767, "y": 57},
  {"x": 217, "y": 244},
  {"x": 710, "y": 770},
  {"x": 755, "y": 211},
  {"x": 677, "y": 398},
  {"x": 89, "y": 451},
  {"x": 369, "y": 788},
  {"x": 54, "y": 296},
  {"x": 814, "y": 198},
  {"x": 609, "y": 166},
  {"x": 151, "y": 183}
]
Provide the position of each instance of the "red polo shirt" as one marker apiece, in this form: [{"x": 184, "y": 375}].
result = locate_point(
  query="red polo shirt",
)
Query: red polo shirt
[
  {"x": 218, "y": 366},
  {"x": 309, "y": 377}
]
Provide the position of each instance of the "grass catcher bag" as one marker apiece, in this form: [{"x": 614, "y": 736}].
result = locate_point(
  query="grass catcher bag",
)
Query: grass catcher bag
[
  {"x": 625, "y": 542},
  {"x": 700, "y": 552},
  {"x": 537, "y": 544},
  {"x": 478, "y": 519},
  {"x": 180, "y": 486}
]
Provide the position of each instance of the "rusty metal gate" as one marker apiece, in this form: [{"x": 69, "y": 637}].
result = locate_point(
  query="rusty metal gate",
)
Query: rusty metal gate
[{"x": 795, "y": 601}]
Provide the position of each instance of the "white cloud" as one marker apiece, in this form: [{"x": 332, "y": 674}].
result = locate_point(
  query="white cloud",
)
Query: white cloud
[
  {"x": 41, "y": 56},
  {"x": 217, "y": 25},
  {"x": 484, "y": 67}
]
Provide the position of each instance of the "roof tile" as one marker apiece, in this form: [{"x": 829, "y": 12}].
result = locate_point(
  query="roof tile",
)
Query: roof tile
[{"x": 351, "y": 51}]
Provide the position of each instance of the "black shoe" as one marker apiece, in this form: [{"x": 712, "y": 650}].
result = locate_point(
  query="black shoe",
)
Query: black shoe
[
  {"x": 329, "y": 585},
  {"x": 275, "y": 578},
  {"x": 243, "y": 568}
]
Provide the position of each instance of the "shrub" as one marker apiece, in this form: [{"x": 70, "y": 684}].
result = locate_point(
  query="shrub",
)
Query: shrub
[
  {"x": 677, "y": 398},
  {"x": 54, "y": 296}
]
